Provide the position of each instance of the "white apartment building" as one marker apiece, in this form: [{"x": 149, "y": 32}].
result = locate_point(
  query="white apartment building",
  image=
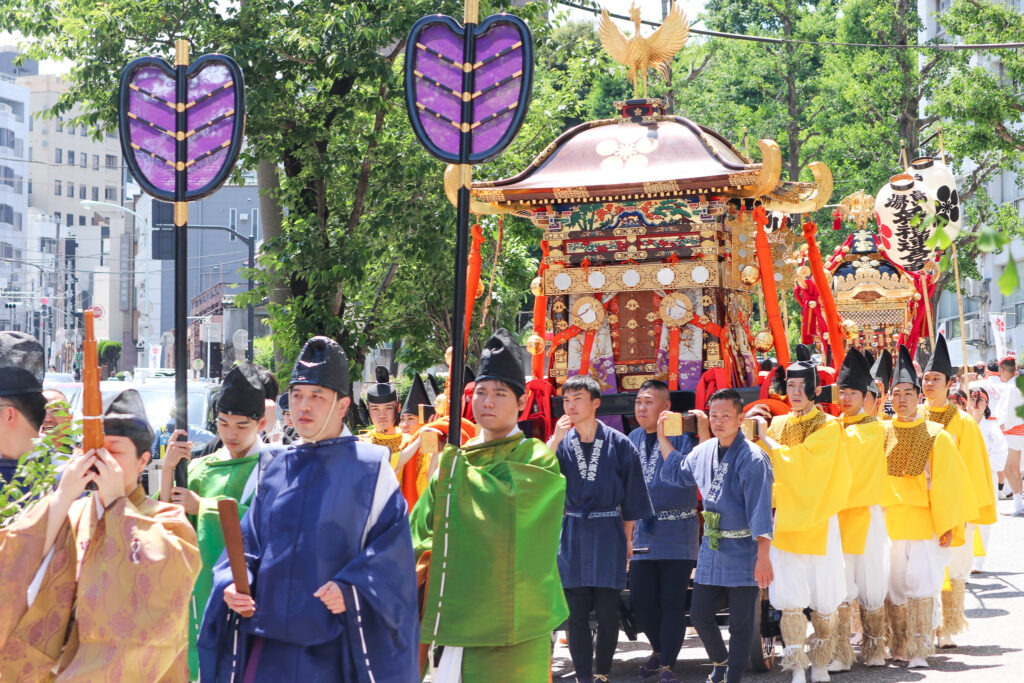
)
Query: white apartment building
[
  {"x": 982, "y": 298},
  {"x": 14, "y": 189},
  {"x": 69, "y": 166},
  {"x": 44, "y": 281}
]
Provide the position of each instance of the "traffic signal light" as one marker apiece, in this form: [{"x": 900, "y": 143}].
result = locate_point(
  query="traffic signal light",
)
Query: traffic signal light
[{"x": 10, "y": 304}]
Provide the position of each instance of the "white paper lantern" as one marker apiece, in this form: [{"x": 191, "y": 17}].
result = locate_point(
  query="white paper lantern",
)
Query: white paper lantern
[
  {"x": 938, "y": 181},
  {"x": 897, "y": 205}
]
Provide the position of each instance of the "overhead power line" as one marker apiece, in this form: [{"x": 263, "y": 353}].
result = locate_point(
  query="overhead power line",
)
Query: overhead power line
[{"x": 938, "y": 47}]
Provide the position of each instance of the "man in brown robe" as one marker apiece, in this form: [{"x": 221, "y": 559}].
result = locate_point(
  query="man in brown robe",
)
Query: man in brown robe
[{"x": 96, "y": 588}]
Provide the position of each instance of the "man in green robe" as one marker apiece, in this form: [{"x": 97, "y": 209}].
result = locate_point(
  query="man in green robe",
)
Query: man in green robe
[
  {"x": 229, "y": 472},
  {"x": 495, "y": 510}
]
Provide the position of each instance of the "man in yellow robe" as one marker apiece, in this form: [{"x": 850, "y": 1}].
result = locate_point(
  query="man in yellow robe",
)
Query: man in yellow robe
[
  {"x": 971, "y": 446},
  {"x": 812, "y": 480},
  {"x": 382, "y": 405},
  {"x": 96, "y": 588},
  {"x": 862, "y": 521},
  {"x": 927, "y": 475}
]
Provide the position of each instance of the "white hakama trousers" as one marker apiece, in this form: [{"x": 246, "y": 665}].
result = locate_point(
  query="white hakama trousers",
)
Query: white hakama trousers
[
  {"x": 986, "y": 529},
  {"x": 918, "y": 569},
  {"x": 815, "y": 581},
  {"x": 961, "y": 558},
  {"x": 867, "y": 574}
]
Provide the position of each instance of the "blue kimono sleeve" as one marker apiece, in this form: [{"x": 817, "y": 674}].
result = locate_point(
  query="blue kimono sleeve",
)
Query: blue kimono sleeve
[
  {"x": 636, "y": 503},
  {"x": 379, "y": 586},
  {"x": 677, "y": 470},
  {"x": 756, "y": 479}
]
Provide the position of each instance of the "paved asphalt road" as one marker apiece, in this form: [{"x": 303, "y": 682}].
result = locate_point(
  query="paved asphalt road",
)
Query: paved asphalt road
[{"x": 992, "y": 650}]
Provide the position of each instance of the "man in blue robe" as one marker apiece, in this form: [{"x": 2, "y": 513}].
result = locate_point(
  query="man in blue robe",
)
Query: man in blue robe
[
  {"x": 605, "y": 492},
  {"x": 735, "y": 480},
  {"x": 665, "y": 545},
  {"x": 329, "y": 554}
]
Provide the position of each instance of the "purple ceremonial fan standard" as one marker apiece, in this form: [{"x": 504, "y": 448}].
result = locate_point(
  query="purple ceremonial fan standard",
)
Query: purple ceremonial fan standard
[
  {"x": 500, "y": 83},
  {"x": 214, "y": 108}
]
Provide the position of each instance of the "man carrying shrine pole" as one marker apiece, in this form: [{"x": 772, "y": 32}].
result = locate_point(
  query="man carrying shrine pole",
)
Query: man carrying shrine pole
[
  {"x": 735, "y": 480},
  {"x": 664, "y": 546},
  {"x": 605, "y": 494}
]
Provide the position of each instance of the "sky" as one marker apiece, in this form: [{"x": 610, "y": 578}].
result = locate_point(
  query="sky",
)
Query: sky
[{"x": 649, "y": 9}]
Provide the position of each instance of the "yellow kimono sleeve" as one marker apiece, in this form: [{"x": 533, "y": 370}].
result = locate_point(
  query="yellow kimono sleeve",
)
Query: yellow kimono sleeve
[
  {"x": 951, "y": 503},
  {"x": 812, "y": 482},
  {"x": 975, "y": 456}
]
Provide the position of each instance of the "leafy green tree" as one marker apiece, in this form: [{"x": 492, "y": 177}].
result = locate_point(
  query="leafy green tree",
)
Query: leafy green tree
[{"x": 345, "y": 191}]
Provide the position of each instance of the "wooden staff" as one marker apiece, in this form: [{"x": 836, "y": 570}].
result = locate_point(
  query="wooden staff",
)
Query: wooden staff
[
  {"x": 92, "y": 399},
  {"x": 232, "y": 530}
]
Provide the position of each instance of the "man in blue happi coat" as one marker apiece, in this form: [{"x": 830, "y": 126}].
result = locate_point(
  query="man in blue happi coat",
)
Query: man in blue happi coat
[
  {"x": 604, "y": 493},
  {"x": 735, "y": 480},
  {"x": 329, "y": 554},
  {"x": 665, "y": 545}
]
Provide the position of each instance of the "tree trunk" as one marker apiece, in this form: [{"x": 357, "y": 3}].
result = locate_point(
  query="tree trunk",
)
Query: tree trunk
[{"x": 271, "y": 217}]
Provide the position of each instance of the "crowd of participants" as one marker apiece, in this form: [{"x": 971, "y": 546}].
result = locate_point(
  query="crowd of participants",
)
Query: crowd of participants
[{"x": 382, "y": 557}]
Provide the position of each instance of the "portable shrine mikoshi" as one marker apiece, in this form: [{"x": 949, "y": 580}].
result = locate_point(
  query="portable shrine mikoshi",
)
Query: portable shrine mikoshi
[
  {"x": 650, "y": 264},
  {"x": 877, "y": 302}
]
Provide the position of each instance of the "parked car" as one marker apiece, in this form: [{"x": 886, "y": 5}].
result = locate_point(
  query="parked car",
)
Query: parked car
[{"x": 158, "y": 397}]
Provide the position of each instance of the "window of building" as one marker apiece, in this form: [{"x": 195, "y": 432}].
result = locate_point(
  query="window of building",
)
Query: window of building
[
  {"x": 233, "y": 223},
  {"x": 83, "y": 132},
  {"x": 81, "y": 220},
  {"x": 111, "y": 161},
  {"x": 255, "y": 222},
  {"x": 6, "y": 213},
  {"x": 70, "y": 219},
  {"x": 60, "y": 125},
  {"x": 7, "y": 138},
  {"x": 71, "y": 190},
  {"x": 95, "y": 194},
  {"x": 8, "y": 178},
  {"x": 57, "y": 216},
  {"x": 58, "y": 155},
  {"x": 71, "y": 157},
  {"x": 47, "y": 245},
  {"x": 83, "y": 160},
  {"x": 30, "y": 187},
  {"x": 95, "y": 162},
  {"x": 58, "y": 188},
  {"x": 110, "y": 194},
  {"x": 81, "y": 191}
]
